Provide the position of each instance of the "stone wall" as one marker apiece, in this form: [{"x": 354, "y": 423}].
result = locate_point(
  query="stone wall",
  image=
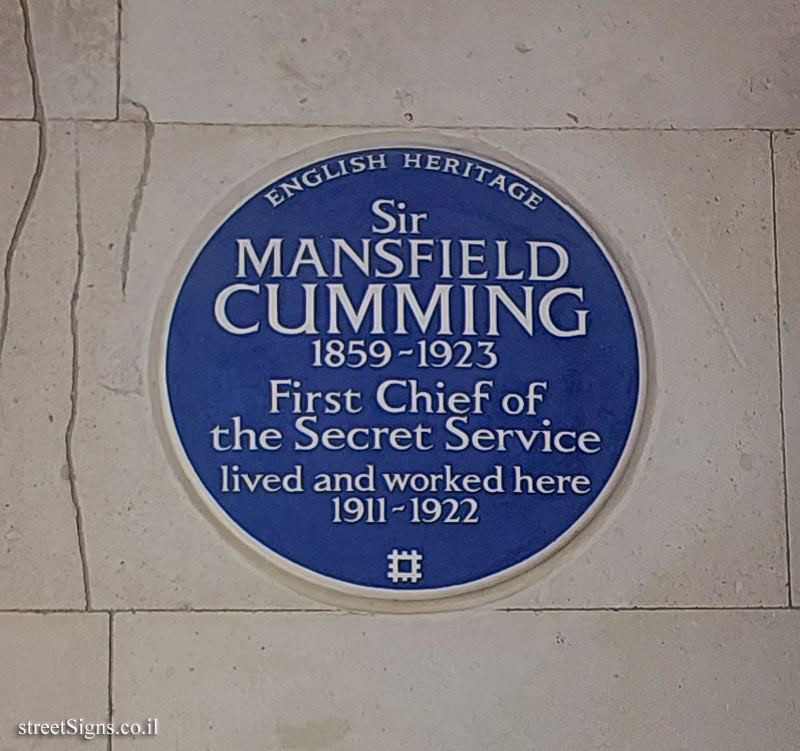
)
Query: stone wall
[{"x": 668, "y": 624}]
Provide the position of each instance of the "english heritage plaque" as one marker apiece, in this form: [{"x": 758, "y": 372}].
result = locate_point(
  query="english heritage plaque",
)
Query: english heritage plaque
[{"x": 401, "y": 372}]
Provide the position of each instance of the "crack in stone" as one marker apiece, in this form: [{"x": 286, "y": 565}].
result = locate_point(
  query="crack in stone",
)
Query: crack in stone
[
  {"x": 378, "y": 124},
  {"x": 531, "y": 610},
  {"x": 773, "y": 175},
  {"x": 138, "y": 391},
  {"x": 110, "y": 674},
  {"x": 119, "y": 53},
  {"x": 73, "y": 396},
  {"x": 703, "y": 295},
  {"x": 709, "y": 305},
  {"x": 133, "y": 217},
  {"x": 36, "y": 178}
]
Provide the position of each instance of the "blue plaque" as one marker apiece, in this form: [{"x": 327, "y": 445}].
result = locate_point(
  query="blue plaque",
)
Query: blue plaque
[{"x": 401, "y": 372}]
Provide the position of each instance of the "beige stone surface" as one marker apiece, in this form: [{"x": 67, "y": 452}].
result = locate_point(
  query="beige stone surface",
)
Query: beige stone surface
[
  {"x": 618, "y": 63},
  {"x": 623, "y": 681},
  {"x": 787, "y": 185},
  {"x": 75, "y": 42},
  {"x": 40, "y": 565},
  {"x": 16, "y": 99},
  {"x": 55, "y": 667},
  {"x": 700, "y": 519},
  {"x": 75, "y": 54}
]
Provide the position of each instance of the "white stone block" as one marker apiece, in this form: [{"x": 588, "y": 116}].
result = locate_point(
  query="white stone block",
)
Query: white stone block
[
  {"x": 522, "y": 64},
  {"x": 55, "y": 668},
  {"x": 16, "y": 97},
  {"x": 699, "y": 519},
  {"x": 670, "y": 680}
]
